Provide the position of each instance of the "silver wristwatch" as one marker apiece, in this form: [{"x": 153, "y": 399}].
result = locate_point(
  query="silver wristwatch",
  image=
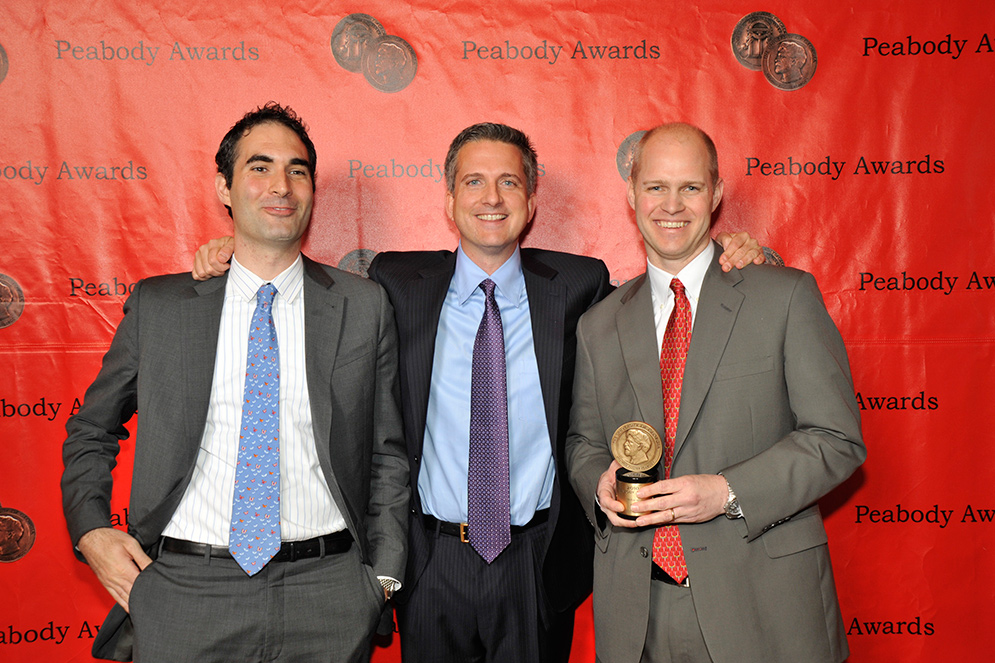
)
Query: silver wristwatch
[{"x": 731, "y": 507}]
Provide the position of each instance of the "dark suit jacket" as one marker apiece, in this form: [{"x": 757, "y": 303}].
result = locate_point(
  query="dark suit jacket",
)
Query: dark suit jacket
[
  {"x": 560, "y": 288},
  {"x": 161, "y": 363},
  {"x": 767, "y": 400}
]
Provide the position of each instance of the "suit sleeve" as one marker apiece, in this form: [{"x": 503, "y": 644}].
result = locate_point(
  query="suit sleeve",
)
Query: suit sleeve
[
  {"x": 387, "y": 513},
  {"x": 826, "y": 445},
  {"x": 587, "y": 451},
  {"x": 90, "y": 451}
]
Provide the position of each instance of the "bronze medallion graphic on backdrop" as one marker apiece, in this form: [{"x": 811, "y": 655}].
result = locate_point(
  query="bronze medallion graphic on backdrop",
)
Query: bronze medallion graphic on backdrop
[
  {"x": 17, "y": 534},
  {"x": 789, "y": 62},
  {"x": 351, "y": 37},
  {"x": 357, "y": 261},
  {"x": 360, "y": 43},
  {"x": 623, "y": 159},
  {"x": 751, "y": 36},
  {"x": 11, "y": 301},
  {"x": 4, "y": 63},
  {"x": 760, "y": 42}
]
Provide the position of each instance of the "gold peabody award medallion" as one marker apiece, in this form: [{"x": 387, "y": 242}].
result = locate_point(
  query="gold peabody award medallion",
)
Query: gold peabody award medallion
[{"x": 637, "y": 447}]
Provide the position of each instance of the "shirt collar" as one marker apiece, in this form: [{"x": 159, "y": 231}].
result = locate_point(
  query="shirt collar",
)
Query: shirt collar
[
  {"x": 508, "y": 277},
  {"x": 289, "y": 283},
  {"x": 692, "y": 275}
]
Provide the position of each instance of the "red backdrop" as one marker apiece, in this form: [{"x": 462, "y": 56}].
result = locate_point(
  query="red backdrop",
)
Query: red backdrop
[{"x": 875, "y": 176}]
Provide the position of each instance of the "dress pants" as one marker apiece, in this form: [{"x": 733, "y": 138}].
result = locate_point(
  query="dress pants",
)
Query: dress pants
[
  {"x": 462, "y": 610},
  {"x": 673, "y": 634},
  {"x": 200, "y": 609}
]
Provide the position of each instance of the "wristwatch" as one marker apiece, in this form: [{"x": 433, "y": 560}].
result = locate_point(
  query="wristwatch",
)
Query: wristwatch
[
  {"x": 389, "y": 586},
  {"x": 731, "y": 507}
]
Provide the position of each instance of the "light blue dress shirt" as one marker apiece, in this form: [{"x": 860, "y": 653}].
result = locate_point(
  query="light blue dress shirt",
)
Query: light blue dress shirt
[{"x": 446, "y": 453}]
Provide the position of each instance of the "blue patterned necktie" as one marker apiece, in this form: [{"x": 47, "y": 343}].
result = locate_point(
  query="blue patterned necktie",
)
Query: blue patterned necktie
[
  {"x": 255, "y": 516},
  {"x": 488, "y": 493}
]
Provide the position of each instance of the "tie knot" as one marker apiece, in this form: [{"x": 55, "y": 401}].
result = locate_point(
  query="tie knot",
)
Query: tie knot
[
  {"x": 488, "y": 287},
  {"x": 266, "y": 294},
  {"x": 677, "y": 287}
]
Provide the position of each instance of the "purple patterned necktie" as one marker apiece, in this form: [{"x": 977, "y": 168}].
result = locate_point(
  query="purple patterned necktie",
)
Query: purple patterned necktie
[
  {"x": 489, "y": 501},
  {"x": 255, "y": 517}
]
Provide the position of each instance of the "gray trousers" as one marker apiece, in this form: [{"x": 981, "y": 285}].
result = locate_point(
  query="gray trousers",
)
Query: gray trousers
[
  {"x": 197, "y": 609},
  {"x": 673, "y": 635}
]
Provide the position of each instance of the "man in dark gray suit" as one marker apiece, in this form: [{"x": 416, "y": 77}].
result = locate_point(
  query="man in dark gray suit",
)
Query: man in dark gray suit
[
  {"x": 763, "y": 423},
  {"x": 180, "y": 358}
]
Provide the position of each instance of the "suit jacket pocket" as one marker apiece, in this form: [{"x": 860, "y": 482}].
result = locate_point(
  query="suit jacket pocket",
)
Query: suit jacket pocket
[
  {"x": 743, "y": 368},
  {"x": 353, "y": 354},
  {"x": 803, "y": 531}
]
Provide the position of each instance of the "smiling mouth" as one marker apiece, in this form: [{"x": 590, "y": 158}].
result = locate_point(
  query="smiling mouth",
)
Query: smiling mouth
[
  {"x": 279, "y": 209},
  {"x": 492, "y": 217},
  {"x": 672, "y": 225}
]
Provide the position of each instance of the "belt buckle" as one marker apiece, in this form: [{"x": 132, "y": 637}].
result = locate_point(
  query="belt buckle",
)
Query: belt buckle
[
  {"x": 292, "y": 551},
  {"x": 464, "y": 535}
]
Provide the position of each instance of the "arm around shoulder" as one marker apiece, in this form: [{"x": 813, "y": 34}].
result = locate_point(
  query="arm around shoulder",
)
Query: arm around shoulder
[{"x": 389, "y": 489}]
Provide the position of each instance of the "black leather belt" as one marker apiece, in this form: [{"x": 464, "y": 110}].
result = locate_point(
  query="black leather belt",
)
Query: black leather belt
[
  {"x": 462, "y": 530},
  {"x": 659, "y": 574},
  {"x": 320, "y": 546}
]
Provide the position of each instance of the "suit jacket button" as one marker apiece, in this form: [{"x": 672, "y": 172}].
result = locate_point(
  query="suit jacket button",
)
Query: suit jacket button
[{"x": 644, "y": 552}]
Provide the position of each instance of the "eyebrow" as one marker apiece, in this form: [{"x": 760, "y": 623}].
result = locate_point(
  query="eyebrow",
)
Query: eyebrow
[
  {"x": 680, "y": 183},
  {"x": 501, "y": 176},
  {"x": 296, "y": 161}
]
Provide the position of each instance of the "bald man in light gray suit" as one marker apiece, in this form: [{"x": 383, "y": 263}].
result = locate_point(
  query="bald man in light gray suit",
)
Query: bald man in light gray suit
[{"x": 767, "y": 401}]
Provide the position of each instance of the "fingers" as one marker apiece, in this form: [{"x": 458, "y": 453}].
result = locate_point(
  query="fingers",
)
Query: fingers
[
  {"x": 116, "y": 558},
  {"x": 692, "y": 498},
  {"x": 212, "y": 258},
  {"x": 739, "y": 250},
  {"x": 606, "y": 498}
]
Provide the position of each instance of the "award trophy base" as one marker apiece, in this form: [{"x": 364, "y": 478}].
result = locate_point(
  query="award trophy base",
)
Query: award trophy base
[{"x": 627, "y": 482}]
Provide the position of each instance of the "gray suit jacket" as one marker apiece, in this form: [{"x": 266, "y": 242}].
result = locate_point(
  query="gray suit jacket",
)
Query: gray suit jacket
[
  {"x": 161, "y": 364},
  {"x": 767, "y": 400}
]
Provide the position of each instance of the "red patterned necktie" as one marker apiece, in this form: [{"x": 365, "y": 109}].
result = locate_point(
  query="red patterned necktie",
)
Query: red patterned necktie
[{"x": 668, "y": 553}]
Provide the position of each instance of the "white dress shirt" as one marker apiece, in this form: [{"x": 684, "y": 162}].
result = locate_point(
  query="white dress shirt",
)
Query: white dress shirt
[
  {"x": 307, "y": 509},
  {"x": 691, "y": 276}
]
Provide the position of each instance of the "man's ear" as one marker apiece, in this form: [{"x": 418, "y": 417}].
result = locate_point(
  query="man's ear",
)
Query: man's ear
[
  {"x": 717, "y": 190},
  {"x": 450, "y": 201},
  {"x": 224, "y": 195}
]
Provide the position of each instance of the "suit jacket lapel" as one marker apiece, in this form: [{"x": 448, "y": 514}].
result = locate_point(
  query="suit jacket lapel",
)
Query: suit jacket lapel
[
  {"x": 718, "y": 306},
  {"x": 547, "y": 309},
  {"x": 323, "y": 314},
  {"x": 637, "y": 336},
  {"x": 200, "y": 323},
  {"x": 427, "y": 293}
]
